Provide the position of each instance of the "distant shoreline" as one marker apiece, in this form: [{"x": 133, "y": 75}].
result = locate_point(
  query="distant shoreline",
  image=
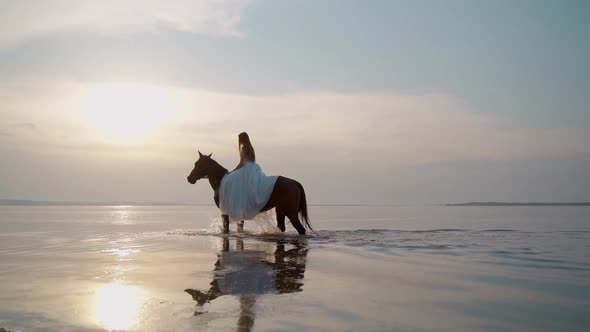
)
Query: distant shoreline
[
  {"x": 24, "y": 202},
  {"x": 17, "y": 202},
  {"x": 520, "y": 204}
]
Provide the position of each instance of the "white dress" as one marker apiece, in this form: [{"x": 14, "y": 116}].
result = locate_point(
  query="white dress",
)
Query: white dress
[{"x": 245, "y": 191}]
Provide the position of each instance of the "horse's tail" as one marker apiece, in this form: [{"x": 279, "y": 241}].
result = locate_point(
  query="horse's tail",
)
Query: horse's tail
[{"x": 303, "y": 206}]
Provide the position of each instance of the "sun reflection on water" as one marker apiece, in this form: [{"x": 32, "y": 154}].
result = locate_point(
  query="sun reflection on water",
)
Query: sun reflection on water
[
  {"x": 117, "y": 306},
  {"x": 122, "y": 216}
]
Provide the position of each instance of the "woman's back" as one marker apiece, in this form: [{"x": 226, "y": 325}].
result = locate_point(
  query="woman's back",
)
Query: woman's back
[{"x": 246, "y": 148}]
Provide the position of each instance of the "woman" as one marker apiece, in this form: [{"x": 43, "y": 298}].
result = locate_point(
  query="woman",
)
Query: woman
[
  {"x": 245, "y": 190},
  {"x": 246, "y": 151}
]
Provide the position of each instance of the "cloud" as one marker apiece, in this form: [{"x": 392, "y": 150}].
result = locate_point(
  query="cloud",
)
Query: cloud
[
  {"x": 379, "y": 128},
  {"x": 389, "y": 147},
  {"x": 23, "y": 19},
  {"x": 327, "y": 128},
  {"x": 26, "y": 126}
]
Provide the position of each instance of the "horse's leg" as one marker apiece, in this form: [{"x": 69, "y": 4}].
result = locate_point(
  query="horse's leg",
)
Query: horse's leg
[
  {"x": 241, "y": 226},
  {"x": 294, "y": 218},
  {"x": 280, "y": 220},
  {"x": 225, "y": 223}
]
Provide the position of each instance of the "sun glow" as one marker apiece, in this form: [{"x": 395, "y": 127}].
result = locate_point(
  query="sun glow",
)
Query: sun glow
[
  {"x": 124, "y": 111},
  {"x": 117, "y": 306}
]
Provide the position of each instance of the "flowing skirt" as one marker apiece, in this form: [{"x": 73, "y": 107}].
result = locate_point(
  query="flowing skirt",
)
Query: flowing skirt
[{"x": 244, "y": 192}]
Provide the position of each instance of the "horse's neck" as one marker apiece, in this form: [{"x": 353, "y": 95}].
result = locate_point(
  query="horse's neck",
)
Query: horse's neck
[
  {"x": 216, "y": 175},
  {"x": 215, "y": 182}
]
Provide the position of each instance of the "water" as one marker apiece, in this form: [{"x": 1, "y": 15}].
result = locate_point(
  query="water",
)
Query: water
[{"x": 368, "y": 268}]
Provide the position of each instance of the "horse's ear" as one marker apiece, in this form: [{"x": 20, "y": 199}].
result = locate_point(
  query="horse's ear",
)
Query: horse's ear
[
  {"x": 210, "y": 155},
  {"x": 200, "y": 154}
]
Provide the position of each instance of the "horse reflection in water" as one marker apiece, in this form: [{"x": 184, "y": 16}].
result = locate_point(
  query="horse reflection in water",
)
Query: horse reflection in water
[{"x": 251, "y": 273}]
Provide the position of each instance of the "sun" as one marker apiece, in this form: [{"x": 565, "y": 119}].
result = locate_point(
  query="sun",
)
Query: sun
[{"x": 125, "y": 111}]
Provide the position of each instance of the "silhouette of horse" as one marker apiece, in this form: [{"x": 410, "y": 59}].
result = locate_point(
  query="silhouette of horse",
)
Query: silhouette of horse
[
  {"x": 249, "y": 274},
  {"x": 288, "y": 196}
]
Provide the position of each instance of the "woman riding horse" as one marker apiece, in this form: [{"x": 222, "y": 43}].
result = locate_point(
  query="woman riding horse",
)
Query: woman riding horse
[{"x": 245, "y": 190}]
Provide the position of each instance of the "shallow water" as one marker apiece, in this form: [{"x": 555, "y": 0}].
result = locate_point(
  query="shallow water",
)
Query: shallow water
[{"x": 368, "y": 268}]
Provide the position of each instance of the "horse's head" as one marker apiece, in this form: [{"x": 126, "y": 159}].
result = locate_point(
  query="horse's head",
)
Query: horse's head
[{"x": 202, "y": 168}]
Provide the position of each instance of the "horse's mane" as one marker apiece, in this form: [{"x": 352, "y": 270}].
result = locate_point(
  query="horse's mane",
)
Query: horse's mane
[{"x": 217, "y": 165}]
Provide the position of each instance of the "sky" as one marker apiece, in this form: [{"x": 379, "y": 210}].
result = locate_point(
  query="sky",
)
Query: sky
[{"x": 363, "y": 102}]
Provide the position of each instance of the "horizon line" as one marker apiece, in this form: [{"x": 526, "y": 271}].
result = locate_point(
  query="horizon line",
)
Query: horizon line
[
  {"x": 30, "y": 202},
  {"x": 24, "y": 202}
]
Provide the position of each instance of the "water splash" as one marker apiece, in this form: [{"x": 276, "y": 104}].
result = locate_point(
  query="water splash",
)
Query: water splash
[
  {"x": 266, "y": 223},
  {"x": 263, "y": 224}
]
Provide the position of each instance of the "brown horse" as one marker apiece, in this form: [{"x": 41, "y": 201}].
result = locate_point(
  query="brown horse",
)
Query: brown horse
[{"x": 288, "y": 196}]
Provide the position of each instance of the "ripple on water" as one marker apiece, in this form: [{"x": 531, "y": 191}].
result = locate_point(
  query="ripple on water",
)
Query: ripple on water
[{"x": 542, "y": 250}]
